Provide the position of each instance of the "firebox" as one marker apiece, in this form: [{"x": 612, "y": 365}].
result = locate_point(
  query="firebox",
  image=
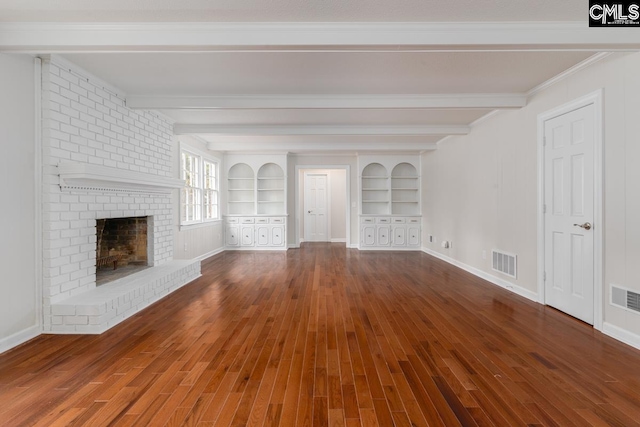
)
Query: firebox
[{"x": 122, "y": 247}]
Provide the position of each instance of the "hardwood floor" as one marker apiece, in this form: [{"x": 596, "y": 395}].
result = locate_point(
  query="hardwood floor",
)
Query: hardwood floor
[{"x": 328, "y": 336}]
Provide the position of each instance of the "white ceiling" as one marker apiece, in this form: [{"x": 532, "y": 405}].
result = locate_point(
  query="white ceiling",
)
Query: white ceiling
[
  {"x": 323, "y": 75},
  {"x": 291, "y": 10},
  {"x": 259, "y": 73}
]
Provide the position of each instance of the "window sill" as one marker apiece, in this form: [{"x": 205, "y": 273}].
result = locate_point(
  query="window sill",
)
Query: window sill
[{"x": 185, "y": 227}]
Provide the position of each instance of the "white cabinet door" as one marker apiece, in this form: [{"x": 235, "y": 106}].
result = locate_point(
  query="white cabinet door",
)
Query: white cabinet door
[
  {"x": 262, "y": 235},
  {"x": 369, "y": 235},
  {"x": 383, "y": 235},
  {"x": 231, "y": 235},
  {"x": 246, "y": 235},
  {"x": 413, "y": 237},
  {"x": 399, "y": 235},
  {"x": 277, "y": 235}
]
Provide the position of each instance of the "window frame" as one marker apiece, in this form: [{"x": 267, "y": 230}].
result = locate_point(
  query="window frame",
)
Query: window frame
[{"x": 201, "y": 158}]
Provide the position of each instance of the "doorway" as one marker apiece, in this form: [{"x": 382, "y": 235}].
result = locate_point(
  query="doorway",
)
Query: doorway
[
  {"x": 323, "y": 190},
  {"x": 570, "y": 233}
]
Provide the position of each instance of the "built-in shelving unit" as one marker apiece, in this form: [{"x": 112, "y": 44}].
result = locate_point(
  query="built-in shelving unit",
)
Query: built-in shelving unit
[
  {"x": 405, "y": 190},
  {"x": 375, "y": 189},
  {"x": 257, "y": 202},
  {"x": 271, "y": 190},
  {"x": 389, "y": 202},
  {"x": 241, "y": 185}
]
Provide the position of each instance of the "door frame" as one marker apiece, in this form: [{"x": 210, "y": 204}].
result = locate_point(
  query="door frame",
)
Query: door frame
[
  {"x": 347, "y": 168},
  {"x": 595, "y": 99},
  {"x": 328, "y": 206}
]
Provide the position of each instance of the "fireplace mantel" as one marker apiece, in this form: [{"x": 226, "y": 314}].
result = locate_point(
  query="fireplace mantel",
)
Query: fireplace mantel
[{"x": 87, "y": 177}]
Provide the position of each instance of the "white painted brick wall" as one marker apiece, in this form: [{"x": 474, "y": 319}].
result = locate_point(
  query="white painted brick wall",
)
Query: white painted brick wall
[{"x": 84, "y": 122}]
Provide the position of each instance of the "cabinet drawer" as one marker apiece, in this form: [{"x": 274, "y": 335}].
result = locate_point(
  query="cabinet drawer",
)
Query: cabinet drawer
[
  {"x": 399, "y": 220},
  {"x": 384, "y": 220},
  {"x": 262, "y": 220},
  {"x": 367, "y": 220},
  {"x": 277, "y": 220},
  {"x": 413, "y": 220},
  {"x": 232, "y": 220},
  {"x": 248, "y": 220}
]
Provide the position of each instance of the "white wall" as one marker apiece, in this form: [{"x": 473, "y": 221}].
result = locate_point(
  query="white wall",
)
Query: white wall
[
  {"x": 480, "y": 190},
  {"x": 337, "y": 192},
  {"x": 196, "y": 240},
  {"x": 17, "y": 192}
]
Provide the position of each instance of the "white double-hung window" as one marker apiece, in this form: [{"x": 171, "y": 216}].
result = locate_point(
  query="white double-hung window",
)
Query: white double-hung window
[{"x": 199, "y": 199}]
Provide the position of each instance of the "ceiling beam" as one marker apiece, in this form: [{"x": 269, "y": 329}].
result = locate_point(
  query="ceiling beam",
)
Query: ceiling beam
[
  {"x": 443, "y": 101},
  {"x": 330, "y": 145},
  {"x": 309, "y": 36},
  {"x": 263, "y": 130}
]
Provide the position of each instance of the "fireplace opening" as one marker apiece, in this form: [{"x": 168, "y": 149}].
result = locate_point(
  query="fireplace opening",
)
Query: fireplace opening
[{"x": 121, "y": 249}]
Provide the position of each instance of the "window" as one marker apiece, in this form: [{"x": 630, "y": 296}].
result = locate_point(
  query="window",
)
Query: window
[
  {"x": 199, "y": 197},
  {"x": 210, "y": 202}
]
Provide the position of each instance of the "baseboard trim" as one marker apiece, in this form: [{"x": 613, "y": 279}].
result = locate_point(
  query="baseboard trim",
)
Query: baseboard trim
[
  {"x": 621, "y": 334},
  {"x": 18, "y": 338},
  {"x": 505, "y": 284},
  {"x": 209, "y": 254},
  {"x": 342, "y": 240}
]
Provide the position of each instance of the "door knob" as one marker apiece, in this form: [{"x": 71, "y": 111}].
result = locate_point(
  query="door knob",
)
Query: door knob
[
  {"x": 308, "y": 211},
  {"x": 586, "y": 225}
]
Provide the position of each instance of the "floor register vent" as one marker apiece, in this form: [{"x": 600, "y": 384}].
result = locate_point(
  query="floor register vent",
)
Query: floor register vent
[
  {"x": 625, "y": 298},
  {"x": 504, "y": 263}
]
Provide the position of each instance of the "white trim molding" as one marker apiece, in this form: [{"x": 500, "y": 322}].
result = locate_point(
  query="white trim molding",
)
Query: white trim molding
[
  {"x": 210, "y": 254},
  {"x": 20, "y": 337},
  {"x": 37, "y": 227},
  {"x": 87, "y": 177},
  {"x": 43, "y": 37},
  {"x": 530, "y": 295},
  {"x": 596, "y": 99},
  {"x": 621, "y": 334}
]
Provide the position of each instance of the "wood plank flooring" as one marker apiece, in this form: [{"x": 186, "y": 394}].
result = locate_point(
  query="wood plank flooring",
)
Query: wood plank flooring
[{"x": 326, "y": 336}]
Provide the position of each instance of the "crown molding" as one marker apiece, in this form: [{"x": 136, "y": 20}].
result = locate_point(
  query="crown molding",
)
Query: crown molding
[
  {"x": 569, "y": 72},
  {"x": 87, "y": 177},
  {"x": 312, "y": 36},
  {"x": 312, "y": 101},
  {"x": 258, "y": 130}
]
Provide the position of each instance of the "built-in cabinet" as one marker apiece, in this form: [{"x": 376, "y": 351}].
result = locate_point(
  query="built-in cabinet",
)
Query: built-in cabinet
[
  {"x": 390, "y": 202},
  {"x": 256, "y": 202}
]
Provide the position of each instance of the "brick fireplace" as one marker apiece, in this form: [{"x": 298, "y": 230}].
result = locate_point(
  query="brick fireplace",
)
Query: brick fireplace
[{"x": 102, "y": 161}]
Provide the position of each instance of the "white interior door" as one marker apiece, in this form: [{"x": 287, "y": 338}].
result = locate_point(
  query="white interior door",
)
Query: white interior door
[
  {"x": 569, "y": 212},
  {"x": 316, "y": 221}
]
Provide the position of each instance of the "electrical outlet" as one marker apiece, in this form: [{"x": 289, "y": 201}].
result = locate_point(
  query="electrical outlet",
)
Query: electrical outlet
[
  {"x": 484, "y": 254},
  {"x": 185, "y": 247}
]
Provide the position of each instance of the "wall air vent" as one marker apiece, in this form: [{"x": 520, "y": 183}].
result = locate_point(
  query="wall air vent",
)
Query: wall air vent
[
  {"x": 504, "y": 263},
  {"x": 625, "y": 298}
]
